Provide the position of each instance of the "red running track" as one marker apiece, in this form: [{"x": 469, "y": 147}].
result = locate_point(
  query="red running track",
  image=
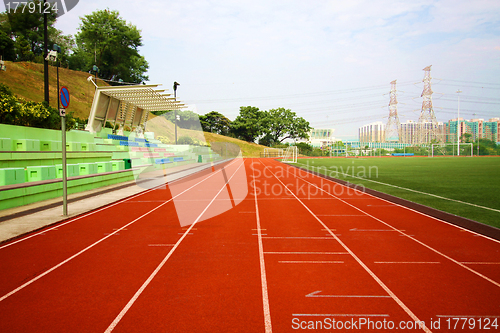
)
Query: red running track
[{"x": 254, "y": 246}]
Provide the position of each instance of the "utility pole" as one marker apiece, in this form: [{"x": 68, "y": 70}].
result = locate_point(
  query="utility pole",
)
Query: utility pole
[
  {"x": 175, "y": 110},
  {"x": 458, "y": 123}
]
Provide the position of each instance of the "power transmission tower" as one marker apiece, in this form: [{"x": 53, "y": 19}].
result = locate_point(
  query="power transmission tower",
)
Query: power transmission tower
[
  {"x": 427, "y": 123},
  {"x": 393, "y": 127}
]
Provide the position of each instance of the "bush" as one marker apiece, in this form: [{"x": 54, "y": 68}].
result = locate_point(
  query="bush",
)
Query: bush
[
  {"x": 185, "y": 140},
  {"x": 15, "y": 111}
]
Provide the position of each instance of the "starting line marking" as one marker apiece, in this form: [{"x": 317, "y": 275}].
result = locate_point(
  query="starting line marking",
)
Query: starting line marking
[
  {"x": 315, "y": 294},
  {"x": 406, "y": 262},
  {"x": 298, "y": 237},
  {"x": 356, "y": 229},
  {"x": 310, "y": 262},
  {"x": 306, "y": 252},
  {"x": 161, "y": 244}
]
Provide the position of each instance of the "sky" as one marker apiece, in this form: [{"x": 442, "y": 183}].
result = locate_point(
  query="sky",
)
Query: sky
[{"x": 331, "y": 62}]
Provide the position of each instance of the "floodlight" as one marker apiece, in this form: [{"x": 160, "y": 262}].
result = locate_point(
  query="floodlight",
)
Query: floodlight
[{"x": 52, "y": 56}]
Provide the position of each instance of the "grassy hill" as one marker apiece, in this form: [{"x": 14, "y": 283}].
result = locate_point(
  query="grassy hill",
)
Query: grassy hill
[{"x": 26, "y": 81}]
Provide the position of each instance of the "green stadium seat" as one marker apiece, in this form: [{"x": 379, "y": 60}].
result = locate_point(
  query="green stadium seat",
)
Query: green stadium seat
[
  {"x": 72, "y": 170},
  {"x": 104, "y": 167},
  {"x": 25, "y": 145},
  {"x": 50, "y": 145},
  {"x": 38, "y": 173},
  {"x": 11, "y": 176},
  {"x": 87, "y": 168},
  {"x": 118, "y": 165},
  {"x": 73, "y": 146},
  {"x": 5, "y": 144}
]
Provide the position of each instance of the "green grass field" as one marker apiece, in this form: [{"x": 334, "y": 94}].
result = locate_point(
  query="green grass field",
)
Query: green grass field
[{"x": 472, "y": 180}]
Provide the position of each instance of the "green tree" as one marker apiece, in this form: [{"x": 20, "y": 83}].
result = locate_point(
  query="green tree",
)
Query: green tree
[
  {"x": 215, "y": 122},
  {"x": 187, "y": 119},
  {"x": 248, "y": 124},
  {"x": 28, "y": 26},
  {"x": 109, "y": 42},
  {"x": 281, "y": 124}
]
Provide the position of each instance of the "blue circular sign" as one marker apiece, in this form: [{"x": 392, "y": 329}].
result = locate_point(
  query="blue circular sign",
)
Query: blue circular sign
[{"x": 64, "y": 97}]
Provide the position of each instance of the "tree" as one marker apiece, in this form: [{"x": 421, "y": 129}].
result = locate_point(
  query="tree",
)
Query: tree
[
  {"x": 187, "y": 119},
  {"x": 215, "y": 122},
  {"x": 109, "y": 42},
  {"x": 282, "y": 124},
  {"x": 26, "y": 30},
  {"x": 248, "y": 124}
]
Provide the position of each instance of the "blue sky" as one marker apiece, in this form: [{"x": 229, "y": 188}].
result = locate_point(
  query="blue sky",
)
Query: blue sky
[{"x": 329, "y": 61}]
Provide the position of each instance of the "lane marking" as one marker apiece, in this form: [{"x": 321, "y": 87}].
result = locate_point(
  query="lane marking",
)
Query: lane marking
[
  {"x": 306, "y": 253},
  {"x": 263, "y": 276},
  {"x": 372, "y": 197},
  {"x": 479, "y": 263},
  {"x": 309, "y": 262},
  {"x": 339, "y": 215},
  {"x": 315, "y": 294},
  {"x": 298, "y": 237},
  {"x": 94, "y": 244},
  {"x": 161, "y": 244},
  {"x": 77, "y": 218},
  {"x": 406, "y": 262},
  {"x": 163, "y": 262},
  {"x": 356, "y": 229},
  {"x": 360, "y": 262},
  {"x": 410, "y": 237},
  {"x": 420, "y": 192}
]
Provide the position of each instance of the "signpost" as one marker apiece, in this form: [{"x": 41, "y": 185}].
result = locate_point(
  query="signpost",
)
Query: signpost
[{"x": 64, "y": 100}]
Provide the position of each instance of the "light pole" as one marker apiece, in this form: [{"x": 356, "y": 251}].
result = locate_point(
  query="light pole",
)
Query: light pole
[
  {"x": 175, "y": 110},
  {"x": 458, "y": 123},
  {"x": 52, "y": 56}
]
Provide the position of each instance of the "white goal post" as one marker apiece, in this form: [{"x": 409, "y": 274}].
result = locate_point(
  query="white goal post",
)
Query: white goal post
[
  {"x": 290, "y": 154},
  {"x": 443, "y": 149}
]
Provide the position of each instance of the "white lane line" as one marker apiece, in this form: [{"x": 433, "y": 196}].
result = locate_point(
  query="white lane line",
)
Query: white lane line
[
  {"x": 339, "y": 315},
  {"x": 155, "y": 272},
  {"x": 375, "y": 277},
  {"x": 356, "y": 229},
  {"x": 309, "y": 262},
  {"x": 306, "y": 253},
  {"x": 410, "y": 209},
  {"x": 161, "y": 244},
  {"x": 94, "y": 244},
  {"x": 425, "y": 193},
  {"x": 42, "y": 232},
  {"x": 359, "y": 215},
  {"x": 263, "y": 276},
  {"x": 291, "y": 237},
  {"x": 315, "y": 294},
  {"x": 410, "y": 237},
  {"x": 479, "y": 263},
  {"x": 406, "y": 262}
]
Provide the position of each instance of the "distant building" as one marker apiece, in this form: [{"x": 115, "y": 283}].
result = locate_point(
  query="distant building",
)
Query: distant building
[
  {"x": 373, "y": 132},
  {"x": 477, "y": 128},
  {"x": 321, "y": 137}
]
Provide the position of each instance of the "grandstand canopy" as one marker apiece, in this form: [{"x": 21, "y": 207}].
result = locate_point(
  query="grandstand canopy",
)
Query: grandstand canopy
[{"x": 128, "y": 106}]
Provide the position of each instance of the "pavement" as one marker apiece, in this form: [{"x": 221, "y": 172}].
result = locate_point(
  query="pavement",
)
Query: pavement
[{"x": 17, "y": 221}]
